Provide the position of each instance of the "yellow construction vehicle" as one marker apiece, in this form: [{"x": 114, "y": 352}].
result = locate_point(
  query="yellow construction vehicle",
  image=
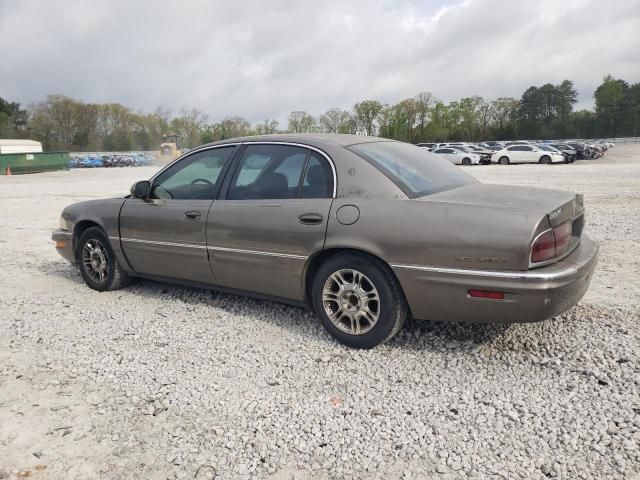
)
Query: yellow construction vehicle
[{"x": 169, "y": 148}]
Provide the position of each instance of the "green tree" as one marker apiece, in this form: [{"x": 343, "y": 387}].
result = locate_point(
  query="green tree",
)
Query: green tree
[
  {"x": 188, "y": 126},
  {"x": 423, "y": 103},
  {"x": 366, "y": 113},
  {"x": 609, "y": 98},
  {"x": 13, "y": 120},
  {"x": 504, "y": 114}
]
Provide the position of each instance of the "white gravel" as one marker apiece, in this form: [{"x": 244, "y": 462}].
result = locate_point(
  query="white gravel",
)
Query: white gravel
[{"x": 157, "y": 381}]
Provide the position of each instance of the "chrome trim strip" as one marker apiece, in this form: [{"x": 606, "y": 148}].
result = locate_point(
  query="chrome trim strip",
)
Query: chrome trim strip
[
  {"x": 303, "y": 145},
  {"x": 256, "y": 252},
  {"x": 524, "y": 275},
  {"x": 168, "y": 244}
]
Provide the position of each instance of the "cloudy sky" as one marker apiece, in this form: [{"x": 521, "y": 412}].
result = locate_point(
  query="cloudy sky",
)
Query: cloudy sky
[{"x": 262, "y": 59}]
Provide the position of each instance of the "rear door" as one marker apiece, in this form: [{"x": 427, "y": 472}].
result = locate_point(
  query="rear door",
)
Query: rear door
[
  {"x": 272, "y": 217},
  {"x": 515, "y": 154},
  {"x": 164, "y": 235},
  {"x": 529, "y": 155}
]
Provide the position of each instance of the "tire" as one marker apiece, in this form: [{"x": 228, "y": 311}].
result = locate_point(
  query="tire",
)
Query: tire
[
  {"x": 97, "y": 262},
  {"x": 372, "y": 276},
  {"x": 545, "y": 159},
  {"x": 504, "y": 161},
  {"x": 466, "y": 161}
]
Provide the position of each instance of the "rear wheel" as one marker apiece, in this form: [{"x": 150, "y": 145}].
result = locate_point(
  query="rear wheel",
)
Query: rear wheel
[
  {"x": 358, "y": 300},
  {"x": 545, "y": 159},
  {"x": 97, "y": 262},
  {"x": 504, "y": 161},
  {"x": 466, "y": 161}
]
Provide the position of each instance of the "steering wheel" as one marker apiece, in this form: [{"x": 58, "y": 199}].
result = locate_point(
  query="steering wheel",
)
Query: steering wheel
[
  {"x": 202, "y": 180},
  {"x": 204, "y": 195}
]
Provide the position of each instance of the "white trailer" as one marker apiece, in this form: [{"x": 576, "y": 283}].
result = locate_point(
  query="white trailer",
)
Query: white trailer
[{"x": 20, "y": 146}]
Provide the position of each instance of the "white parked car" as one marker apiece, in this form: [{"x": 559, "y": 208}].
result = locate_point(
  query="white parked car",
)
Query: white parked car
[
  {"x": 525, "y": 154},
  {"x": 458, "y": 157}
]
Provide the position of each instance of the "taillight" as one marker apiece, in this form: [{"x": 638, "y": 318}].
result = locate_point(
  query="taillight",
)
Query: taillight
[
  {"x": 544, "y": 247},
  {"x": 552, "y": 243},
  {"x": 563, "y": 237}
]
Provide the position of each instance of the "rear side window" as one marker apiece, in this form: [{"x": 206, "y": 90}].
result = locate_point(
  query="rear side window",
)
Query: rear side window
[
  {"x": 268, "y": 172},
  {"x": 318, "y": 178},
  {"x": 413, "y": 169}
]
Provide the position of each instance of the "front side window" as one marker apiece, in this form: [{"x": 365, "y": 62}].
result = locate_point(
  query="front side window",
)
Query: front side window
[
  {"x": 268, "y": 172},
  {"x": 194, "y": 177},
  {"x": 414, "y": 170}
]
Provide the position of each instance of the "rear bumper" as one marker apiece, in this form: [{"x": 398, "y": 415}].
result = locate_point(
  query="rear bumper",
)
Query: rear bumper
[
  {"x": 64, "y": 244},
  {"x": 529, "y": 296}
]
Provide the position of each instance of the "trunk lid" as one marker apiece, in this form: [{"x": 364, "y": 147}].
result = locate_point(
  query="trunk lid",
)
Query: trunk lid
[
  {"x": 557, "y": 205},
  {"x": 548, "y": 208}
]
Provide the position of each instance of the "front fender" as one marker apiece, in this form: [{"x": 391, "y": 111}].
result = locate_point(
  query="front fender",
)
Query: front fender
[{"x": 104, "y": 213}]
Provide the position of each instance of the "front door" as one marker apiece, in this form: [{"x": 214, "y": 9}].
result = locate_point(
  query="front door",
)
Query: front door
[
  {"x": 164, "y": 235},
  {"x": 272, "y": 218}
]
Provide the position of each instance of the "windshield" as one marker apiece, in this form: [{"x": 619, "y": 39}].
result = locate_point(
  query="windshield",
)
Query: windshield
[{"x": 416, "y": 171}]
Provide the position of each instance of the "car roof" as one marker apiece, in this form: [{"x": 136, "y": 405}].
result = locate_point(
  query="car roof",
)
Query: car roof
[{"x": 312, "y": 139}]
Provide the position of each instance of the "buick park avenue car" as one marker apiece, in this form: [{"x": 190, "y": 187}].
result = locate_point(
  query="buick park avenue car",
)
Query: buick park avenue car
[{"x": 364, "y": 231}]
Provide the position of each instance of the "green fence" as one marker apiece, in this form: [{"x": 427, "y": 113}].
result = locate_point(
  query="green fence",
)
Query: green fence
[{"x": 33, "y": 162}]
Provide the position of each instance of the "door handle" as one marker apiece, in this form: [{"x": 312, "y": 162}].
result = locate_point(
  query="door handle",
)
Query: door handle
[
  {"x": 193, "y": 215},
  {"x": 310, "y": 218}
]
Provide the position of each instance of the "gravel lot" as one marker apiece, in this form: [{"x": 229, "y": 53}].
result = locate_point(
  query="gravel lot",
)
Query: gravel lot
[{"x": 157, "y": 381}]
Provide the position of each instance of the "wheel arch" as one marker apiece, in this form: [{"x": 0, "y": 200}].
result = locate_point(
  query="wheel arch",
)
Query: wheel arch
[
  {"x": 317, "y": 259},
  {"x": 80, "y": 227}
]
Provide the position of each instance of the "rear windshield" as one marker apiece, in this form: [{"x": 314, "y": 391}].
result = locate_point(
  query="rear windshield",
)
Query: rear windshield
[{"x": 416, "y": 171}]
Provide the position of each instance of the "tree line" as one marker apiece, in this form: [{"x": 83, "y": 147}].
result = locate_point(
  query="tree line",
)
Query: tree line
[{"x": 546, "y": 111}]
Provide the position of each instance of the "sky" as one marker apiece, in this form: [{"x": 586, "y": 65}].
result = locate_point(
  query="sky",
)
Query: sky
[{"x": 263, "y": 59}]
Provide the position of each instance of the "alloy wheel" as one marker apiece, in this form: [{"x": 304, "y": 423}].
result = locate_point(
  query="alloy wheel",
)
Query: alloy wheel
[
  {"x": 351, "y": 301},
  {"x": 95, "y": 261}
]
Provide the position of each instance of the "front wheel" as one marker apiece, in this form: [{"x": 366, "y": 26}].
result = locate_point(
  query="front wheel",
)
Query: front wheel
[
  {"x": 545, "y": 159},
  {"x": 358, "y": 300},
  {"x": 504, "y": 161},
  {"x": 466, "y": 161},
  {"x": 97, "y": 262}
]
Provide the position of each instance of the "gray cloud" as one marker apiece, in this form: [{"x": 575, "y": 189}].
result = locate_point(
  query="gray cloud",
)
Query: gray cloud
[{"x": 260, "y": 60}]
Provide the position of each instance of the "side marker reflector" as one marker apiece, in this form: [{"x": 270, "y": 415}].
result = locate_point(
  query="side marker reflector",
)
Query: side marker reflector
[
  {"x": 61, "y": 244},
  {"x": 486, "y": 294}
]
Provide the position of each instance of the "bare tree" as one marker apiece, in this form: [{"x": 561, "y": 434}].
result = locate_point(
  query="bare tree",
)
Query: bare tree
[
  {"x": 301, "y": 122},
  {"x": 331, "y": 120},
  {"x": 267, "y": 127}
]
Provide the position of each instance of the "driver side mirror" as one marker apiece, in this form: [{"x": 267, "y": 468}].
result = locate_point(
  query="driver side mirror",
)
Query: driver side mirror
[{"x": 141, "y": 189}]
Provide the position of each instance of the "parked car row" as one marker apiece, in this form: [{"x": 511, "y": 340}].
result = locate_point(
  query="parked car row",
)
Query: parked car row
[
  {"x": 111, "y": 160},
  {"x": 520, "y": 151}
]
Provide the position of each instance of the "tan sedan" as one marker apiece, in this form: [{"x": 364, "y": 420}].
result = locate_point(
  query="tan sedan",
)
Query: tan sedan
[{"x": 364, "y": 231}]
